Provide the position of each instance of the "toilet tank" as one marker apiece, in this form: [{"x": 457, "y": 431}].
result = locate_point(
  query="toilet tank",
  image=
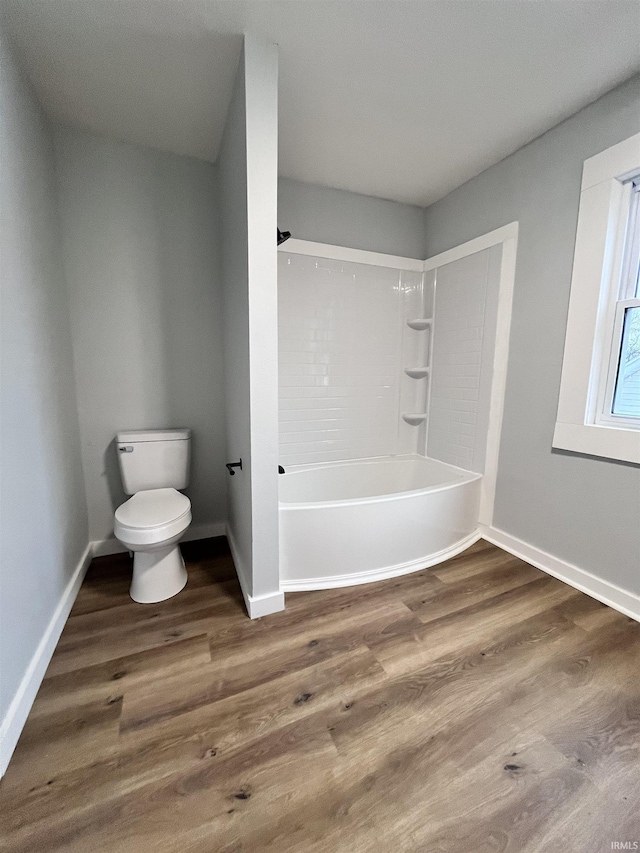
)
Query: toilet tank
[{"x": 154, "y": 459}]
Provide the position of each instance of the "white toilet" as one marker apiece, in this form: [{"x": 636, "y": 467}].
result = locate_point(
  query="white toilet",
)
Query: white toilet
[{"x": 154, "y": 464}]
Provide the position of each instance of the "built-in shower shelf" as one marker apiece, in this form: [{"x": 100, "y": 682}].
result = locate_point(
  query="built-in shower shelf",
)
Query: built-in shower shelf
[
  {"x": 419, "y": 324},
  {"x": 414, "y": 418},
  {"x": 417, "y": 372}
]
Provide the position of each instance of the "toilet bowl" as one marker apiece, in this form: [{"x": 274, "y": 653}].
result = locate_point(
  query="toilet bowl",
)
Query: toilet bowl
[
  {"x": 154, "y": 464},
  {"x": 150, "y": 524}
]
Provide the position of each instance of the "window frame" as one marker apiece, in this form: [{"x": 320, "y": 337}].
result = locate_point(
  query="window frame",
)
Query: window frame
[
  {"x": 584, "y": 424},
  {"x": 628, "y": 250}
]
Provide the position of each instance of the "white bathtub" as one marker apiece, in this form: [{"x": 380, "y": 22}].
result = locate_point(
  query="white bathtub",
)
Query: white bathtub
[{"x": 344, "y": 523}]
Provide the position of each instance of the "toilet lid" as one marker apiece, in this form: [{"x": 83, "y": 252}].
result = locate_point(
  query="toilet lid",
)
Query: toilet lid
[{"x": 153, "y": 508}]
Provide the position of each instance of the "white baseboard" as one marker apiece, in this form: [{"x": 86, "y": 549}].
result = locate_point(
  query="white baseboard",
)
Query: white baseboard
[
  {"x": 336, "y": 581},
  {"x": 257, "y": 605},
  {"x": 608, "y": 593},
  {"x": 261, "y": 605},
  {"x": 18, "y": 711},
  {"x": 106, "y": 547}
]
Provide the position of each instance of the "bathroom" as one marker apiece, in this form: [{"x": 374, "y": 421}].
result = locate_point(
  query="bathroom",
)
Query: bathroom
[{"x": 363, "y": 418}]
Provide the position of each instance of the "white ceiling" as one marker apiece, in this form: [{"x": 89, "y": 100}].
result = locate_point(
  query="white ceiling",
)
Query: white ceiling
[{"x": 402, "y": 99}]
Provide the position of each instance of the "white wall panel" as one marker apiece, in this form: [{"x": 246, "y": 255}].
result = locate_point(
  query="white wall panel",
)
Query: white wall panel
[
  {"x": 463, "y": 347},
  {"x": 340, "y": 340}
]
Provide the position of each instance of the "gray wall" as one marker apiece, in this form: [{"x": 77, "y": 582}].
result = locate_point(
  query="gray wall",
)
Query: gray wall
[
  {"x": 233, "y": 186},
  {"x": 141, "y": 236},
  {"x": 581, "y": 509},
  {"x": 341, "y": 218},
  {"x": 44, "y": 520}
]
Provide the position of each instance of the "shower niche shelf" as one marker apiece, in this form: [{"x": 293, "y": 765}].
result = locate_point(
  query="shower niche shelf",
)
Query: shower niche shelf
[
  {"x": 414, "y": 418},
  {"x": 419, "y": 324},
  {"x": 417, "y": 372}
]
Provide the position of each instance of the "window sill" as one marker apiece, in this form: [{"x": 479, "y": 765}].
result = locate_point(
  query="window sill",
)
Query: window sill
[{"x": 595, "y": 440}]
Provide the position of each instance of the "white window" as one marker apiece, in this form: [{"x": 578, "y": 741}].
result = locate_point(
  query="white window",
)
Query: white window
[
  {"x": 619, "y": 398},
  {"x": 599, "y": 405}
]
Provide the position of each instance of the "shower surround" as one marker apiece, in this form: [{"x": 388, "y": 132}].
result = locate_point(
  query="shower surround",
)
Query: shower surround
[
  {"x": 349, "y": 364},
  {"x": 387, "y": 391}
]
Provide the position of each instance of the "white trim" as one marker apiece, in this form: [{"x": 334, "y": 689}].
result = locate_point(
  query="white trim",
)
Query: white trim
[
  {"x": 478, "y": 244},
  {"x": 238, "y": 564},
  {"x": 335, "y": 581},
  {"x": 608, "y": 593},
  {"x": 507, "y": 235},
  {"x": 106, "y": 547},
  {"x": 620, "y": 160},
  {"x": 600, "y": 236},
  {"x": 499, "y": 377},
  {"x": 361, "y": 256},
  {"x": 597, "y": 440},
  {"x": 257, "y": 605},
  {"x": 343, "y": 253},
  {"x": 18, "y": 710}
]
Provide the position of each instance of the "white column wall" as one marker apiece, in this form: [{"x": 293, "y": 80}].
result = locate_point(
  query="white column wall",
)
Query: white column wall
[{"x": 248, "y": 176}]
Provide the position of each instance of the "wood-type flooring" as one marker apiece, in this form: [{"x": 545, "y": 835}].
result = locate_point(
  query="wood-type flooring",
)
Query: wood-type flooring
[{"x": 475, "y": 707}]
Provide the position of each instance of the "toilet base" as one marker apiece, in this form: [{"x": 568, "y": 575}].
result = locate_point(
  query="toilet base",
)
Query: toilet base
[{"x": 157, "y": 575}]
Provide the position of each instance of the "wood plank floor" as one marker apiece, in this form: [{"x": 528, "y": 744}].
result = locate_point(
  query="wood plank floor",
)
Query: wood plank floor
[{"x": 479, "y": 706}]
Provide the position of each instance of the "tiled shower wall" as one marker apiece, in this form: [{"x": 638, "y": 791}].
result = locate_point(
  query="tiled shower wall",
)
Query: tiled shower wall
[
  {"x": 463, "y": 352},
  {"x": 340, "y": 344}
]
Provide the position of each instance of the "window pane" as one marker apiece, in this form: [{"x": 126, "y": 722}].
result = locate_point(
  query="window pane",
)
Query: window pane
[
  {"x": 626, "y": 400},
  {"x": 633, "y": 238},
  {"x": 635, "y": 251}
]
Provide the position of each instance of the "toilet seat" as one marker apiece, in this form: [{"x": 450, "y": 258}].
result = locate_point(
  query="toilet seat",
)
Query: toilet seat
[{"x": 152, "y": 516}]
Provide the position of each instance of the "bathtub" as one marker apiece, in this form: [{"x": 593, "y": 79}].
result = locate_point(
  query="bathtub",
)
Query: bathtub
[{"x": 344, "y": 523}]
